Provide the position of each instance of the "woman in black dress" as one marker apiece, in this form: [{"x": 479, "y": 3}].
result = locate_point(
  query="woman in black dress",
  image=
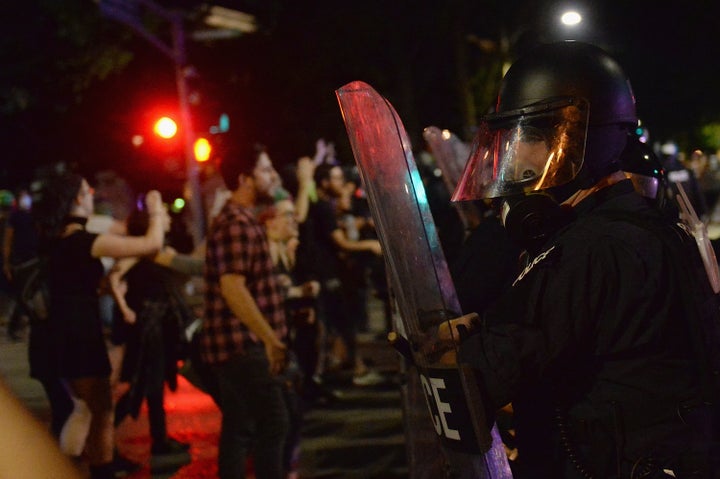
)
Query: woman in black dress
[{"x": 78, "y": 352}]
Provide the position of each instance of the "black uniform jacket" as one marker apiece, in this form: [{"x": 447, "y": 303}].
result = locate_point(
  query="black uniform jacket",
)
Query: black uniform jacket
[{"x": 592, "y": 342}]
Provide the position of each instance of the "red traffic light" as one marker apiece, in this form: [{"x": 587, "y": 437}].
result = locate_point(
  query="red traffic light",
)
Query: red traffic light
[{"x": 165, "y": 127}]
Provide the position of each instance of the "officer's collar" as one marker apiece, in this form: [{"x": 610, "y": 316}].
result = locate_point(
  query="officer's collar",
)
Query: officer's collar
[
  {"x": 601, "y": 196},
  {"x": 580, "y": 195}
]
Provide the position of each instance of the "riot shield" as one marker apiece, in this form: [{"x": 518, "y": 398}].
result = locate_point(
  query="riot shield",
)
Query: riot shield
[
  {"x": 451, "y": 155},
  {"x": 422, "y": 285}
]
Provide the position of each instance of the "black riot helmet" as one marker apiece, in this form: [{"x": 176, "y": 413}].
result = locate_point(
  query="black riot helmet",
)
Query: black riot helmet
[
  {"x": 643, "y": 167},
  {"x": 559, "y": 125}
]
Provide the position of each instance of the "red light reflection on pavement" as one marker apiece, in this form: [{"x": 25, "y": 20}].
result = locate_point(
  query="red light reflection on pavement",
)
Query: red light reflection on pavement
[{"x": 192, "y": 417}]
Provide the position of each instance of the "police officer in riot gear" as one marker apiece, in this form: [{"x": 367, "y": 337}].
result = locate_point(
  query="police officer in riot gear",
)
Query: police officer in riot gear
[
  {"x": 601, "y": 345},
  {"x": 643, "y": 167}
]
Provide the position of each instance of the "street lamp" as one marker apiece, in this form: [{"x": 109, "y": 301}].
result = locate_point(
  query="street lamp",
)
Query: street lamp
[{"x": 571, "y": 18}]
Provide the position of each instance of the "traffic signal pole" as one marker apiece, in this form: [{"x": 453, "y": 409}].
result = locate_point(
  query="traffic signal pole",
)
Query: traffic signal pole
[
  {"x": 191, "y": 167},
  {"x": 128, "y": 12}
]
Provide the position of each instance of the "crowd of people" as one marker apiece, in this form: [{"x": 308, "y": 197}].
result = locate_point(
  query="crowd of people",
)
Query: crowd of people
[
  {"x": 592, "y": 325},
  {"x": 284, "y": 299}
]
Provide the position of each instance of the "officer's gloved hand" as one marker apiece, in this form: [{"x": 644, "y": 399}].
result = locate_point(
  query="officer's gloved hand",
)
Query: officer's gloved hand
[{"x": 458, "y": 329}]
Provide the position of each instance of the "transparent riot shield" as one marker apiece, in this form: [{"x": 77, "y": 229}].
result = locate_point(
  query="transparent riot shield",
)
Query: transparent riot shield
[
  {"x": 451, "y": 154},
  {"x": 422, "y": 285}
]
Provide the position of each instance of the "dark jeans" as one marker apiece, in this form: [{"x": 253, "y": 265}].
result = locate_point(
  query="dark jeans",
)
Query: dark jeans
[{"x": 254, "y": 417}]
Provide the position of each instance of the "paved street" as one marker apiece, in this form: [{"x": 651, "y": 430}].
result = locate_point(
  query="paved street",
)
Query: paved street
[
  {"x": 370, "y": 417},
  {"x": 192, "y": 417}
]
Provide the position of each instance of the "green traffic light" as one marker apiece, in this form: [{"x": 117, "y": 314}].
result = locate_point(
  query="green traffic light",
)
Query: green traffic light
[{"x": 178, "y": 205}]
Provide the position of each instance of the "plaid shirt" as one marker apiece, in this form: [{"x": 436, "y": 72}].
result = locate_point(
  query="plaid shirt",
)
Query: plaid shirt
[{"x": 237, "y": 244}]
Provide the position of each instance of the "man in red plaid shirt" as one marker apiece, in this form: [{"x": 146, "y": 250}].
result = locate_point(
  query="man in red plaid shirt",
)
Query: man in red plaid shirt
[{"x": 244, "y": 327}]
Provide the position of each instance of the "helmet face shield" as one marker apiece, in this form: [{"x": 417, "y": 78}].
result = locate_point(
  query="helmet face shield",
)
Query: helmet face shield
[{"x": 528, "y": 149}]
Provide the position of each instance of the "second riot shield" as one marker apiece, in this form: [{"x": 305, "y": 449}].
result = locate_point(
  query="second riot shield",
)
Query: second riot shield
[{"x": 451, "y": 154}]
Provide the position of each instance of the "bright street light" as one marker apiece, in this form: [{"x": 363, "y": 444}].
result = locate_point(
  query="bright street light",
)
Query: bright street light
[{"x": 571, "y": 18}]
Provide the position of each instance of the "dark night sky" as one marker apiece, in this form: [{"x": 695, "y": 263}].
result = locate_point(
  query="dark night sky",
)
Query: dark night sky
[
  {"x": 669, "y": 50},
  {"x": 671, "y": 53},
  {"x": 279, "y": 85}
]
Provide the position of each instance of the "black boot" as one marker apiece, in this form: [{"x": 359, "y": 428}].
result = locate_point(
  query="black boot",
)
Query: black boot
[{"x": 122, "y": 466}]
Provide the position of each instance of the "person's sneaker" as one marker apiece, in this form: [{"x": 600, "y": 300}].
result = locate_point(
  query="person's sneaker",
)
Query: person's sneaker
[
  {"x": 123, "y": 467},
  {"x": 169, "y": 455},
  {"x": 369, "y": 378},
  {"x": 169, "y": 446}
]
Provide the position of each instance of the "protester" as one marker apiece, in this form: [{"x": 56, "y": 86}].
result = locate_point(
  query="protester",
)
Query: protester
[
  {"x": 154, "y": 318},
  {"x": 605, "y": 343},
  {"x": 643, "y": 168},
  {"x": 24, "y": 270},
  {"x": 79, "y": 354},
  {"x": 353, "y": 218},
  {"x": 300, "y": 298},
  {"x": 243, "y": 332},
  {"x": 7, "y": 295},
  {"x": 19, "y": 247},
  {"x": 325, "y": 240}
]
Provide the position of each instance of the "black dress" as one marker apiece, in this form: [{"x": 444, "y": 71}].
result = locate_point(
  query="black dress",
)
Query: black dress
[
  {"x": 156, "y": 342},
  {"x": 74, "y": 315}
]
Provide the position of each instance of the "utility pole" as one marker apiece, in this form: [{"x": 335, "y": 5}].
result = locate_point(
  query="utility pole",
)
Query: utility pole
[{"x": 182, "y": 70}]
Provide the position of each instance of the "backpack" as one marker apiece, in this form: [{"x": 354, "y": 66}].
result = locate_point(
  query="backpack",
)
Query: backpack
[{"x": 31, "y": 285}]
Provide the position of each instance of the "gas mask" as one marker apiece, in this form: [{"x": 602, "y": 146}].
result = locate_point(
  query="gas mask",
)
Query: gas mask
[{"x": 531, "y": 220}]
